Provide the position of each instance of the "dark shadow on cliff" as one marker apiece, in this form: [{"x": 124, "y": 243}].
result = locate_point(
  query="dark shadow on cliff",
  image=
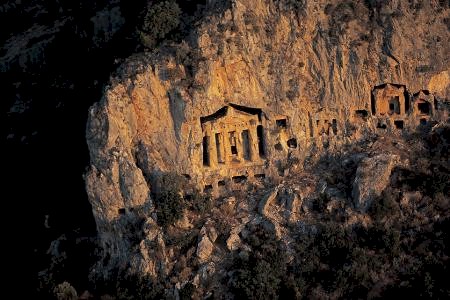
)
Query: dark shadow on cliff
[{"x": 46, "y": 99}]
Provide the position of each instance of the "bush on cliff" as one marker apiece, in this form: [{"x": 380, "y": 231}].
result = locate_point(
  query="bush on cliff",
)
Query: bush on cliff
[
  {"x": 258, "y": 274},
  {"x": 169, "y": 198},
  {"x": 159, "y": 20},
  {"x": 169, "y": 206},
  {"x": 201, "y": 203}
]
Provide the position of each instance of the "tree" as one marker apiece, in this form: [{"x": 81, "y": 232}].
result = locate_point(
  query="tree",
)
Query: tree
[{"x": 159, "y": 20}]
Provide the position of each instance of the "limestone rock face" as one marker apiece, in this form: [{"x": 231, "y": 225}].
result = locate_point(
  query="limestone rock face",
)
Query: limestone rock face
[
  {"x": 233, "y": 241},
  {"x": 372, "y": 177},
  {"x": 267, "y": 201},
  {"x": 204, "y": 248},
  {"x": 254, "y": 89}
]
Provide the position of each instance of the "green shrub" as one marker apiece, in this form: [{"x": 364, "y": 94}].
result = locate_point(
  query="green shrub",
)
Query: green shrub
[
  {"x": 159, "y": 20},
  {"x": 169, "y": 198},
  {"x": 201, "y": 203},
  {"x": 187, "y": 291},
  {"x": 138, "y": 287},
  {"x": 65, "y": 291},
  {"x": 134, "y": 229},
  {"x": 169, "y": 206},
  {"x": 296, "y": 6},
  {"x": 386, "y": 205},
  {"x": 259, "y": 274}
]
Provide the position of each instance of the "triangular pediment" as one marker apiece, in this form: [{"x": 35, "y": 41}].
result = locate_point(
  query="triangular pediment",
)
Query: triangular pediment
[
  {"x": 423, "y": 95},
  {"x": 232, "y": 111},
  {"x": 237, "y": 112}
]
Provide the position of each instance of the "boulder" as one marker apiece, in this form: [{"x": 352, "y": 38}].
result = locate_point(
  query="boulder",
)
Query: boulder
[
  {"x": 291, "y": 201},
  {"x": 204, "y": 249},
  {"x": 233, "y": 241},
  {"x": 268, "y": 199},
  {"x": 372, "y": 177},
  {"x": 210, "y": 232}
]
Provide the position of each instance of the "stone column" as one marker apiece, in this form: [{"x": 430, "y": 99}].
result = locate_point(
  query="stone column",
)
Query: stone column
[
  {"x": 224, "y": 148},
  {"x": 226, "y": 145},
  {"x": 402, "y": 103},
  {"x": 253, "y": 143},
  {"x": 219, "y": 146},
  {"x": 239, "y": 145},
  {"x": 211, "y": 147}
]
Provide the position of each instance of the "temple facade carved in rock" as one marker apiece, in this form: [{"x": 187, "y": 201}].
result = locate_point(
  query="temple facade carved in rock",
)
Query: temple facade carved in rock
[
  {"x": 389, "y": 100},
  {"x": 424, "y": 106},
  {"x": 233, "y": 145},
  {"x": 233, "y": 136},
  {"x": 394, "y": 108}
]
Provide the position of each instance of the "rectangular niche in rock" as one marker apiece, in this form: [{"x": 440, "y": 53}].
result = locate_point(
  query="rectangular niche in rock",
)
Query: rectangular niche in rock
[
  {"x": 205, "y": 145},
  {"x": 261, "y": 146},
  {"x": 362, "y": 114},
  {"x": 424, "y": 108},
  {"x": 233, "y": 144},
  {"x": 282, "y": 123},
  {"x": 334, "y": 126},
  {"x": 239, "y": 179},
  {"x": 208, "y": 188},
  {"x": 246, "y": 144},
  {"x": 424, "y": 104},
  {"x": 292, "y": 143},
  {"x": 399, "y": 124},
  {"x": 260, "y": 176},
  {"x": 394, "y": 105}
]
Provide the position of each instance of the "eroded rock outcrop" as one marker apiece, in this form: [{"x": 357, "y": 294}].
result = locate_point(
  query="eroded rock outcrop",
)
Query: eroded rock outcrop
[
  {"x": 255, "y": 91},
  {"x": 204, "y": 248},
  {"x": 372, "y": 177}
]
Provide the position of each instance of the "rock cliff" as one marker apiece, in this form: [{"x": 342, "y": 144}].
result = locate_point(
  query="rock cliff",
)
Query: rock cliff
[{"x": 307, "y": 72}]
